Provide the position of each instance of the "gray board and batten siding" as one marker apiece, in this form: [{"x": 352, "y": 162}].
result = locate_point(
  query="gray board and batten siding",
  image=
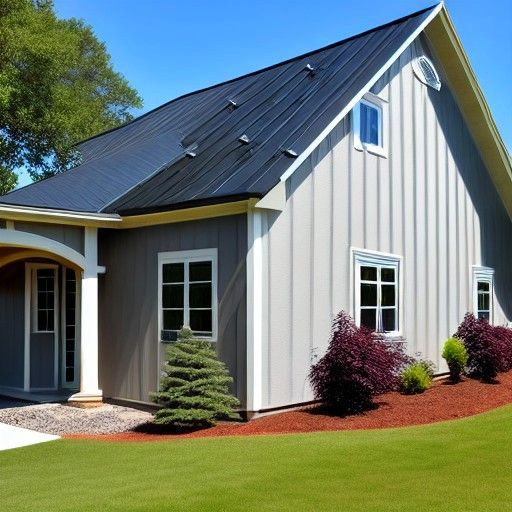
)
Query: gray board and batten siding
[
  {"x": 12, "y": 325},
  {"x": 430, "y": 201},
  {"x": 71, "y": 236},
  {"x": 129, "y": 342}
]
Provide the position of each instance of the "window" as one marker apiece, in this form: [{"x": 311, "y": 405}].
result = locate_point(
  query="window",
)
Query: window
[
  {"x": 368, "y": 122},
  {"x": 44, "y": 284},
  {"x": 483, "y": 278},
  {"x": 377, "y": 291},
  {"x": 370, "y": 119},
  {"x": 188, "y": 293}
]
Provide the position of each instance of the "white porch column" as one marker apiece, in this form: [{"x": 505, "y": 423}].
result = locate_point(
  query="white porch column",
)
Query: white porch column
[{"x": 89, "y": 387}]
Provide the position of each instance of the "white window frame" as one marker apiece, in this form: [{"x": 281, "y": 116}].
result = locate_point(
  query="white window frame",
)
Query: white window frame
[
  {"x": 187, "y": 257},
  {"x": 485, "y": 275},
  {"x": 374, "y": 101},
  {"x": 364, "y": 257},
  {"x": 35, "y": 297}
]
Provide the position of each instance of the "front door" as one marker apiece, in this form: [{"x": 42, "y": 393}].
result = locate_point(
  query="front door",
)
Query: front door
[{"x": 42, "y": 326}]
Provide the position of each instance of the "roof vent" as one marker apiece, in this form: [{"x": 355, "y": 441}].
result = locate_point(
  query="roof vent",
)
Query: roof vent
[
  {"x": 244, "y": 139},
  {"x": 190, "y": 154},
  {"x": 309, "y": 67},
  {"x": 290, "y": 153},
  {"x": 232, "y": 104},
  {"x": 426, "y": 72}
]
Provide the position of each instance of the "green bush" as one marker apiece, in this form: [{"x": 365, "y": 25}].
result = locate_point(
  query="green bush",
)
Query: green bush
[
  {"x": 194, "y": 388},
  {"x": 456, "y": 357},
  {"x": 428, "y": 365},
  {"x": 415, "y": 378}
]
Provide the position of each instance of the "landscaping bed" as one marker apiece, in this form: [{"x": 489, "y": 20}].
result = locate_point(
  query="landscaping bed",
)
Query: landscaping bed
[{"x": 443, "y": 401}]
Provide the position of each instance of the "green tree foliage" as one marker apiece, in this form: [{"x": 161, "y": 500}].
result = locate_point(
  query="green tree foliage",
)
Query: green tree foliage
[
  {"x": 194, "y": 388},
  {"x": 57, "y": 87}
]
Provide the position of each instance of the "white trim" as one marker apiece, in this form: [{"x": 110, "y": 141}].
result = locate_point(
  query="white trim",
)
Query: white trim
[
  {"x": 188, "y": 257},
  {"x": 376, "y": 258},
  {"x": 483, "y": 274},
  {"x": 351, "y": 104},
  {"x": 254, "y": 310},
  {"x": 14, "y": 210},
  {"x": 13, "y": 238}
]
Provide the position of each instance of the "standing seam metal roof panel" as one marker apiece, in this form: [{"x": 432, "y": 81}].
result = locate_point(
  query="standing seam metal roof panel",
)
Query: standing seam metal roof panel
[{"x": 142, "y": 166}]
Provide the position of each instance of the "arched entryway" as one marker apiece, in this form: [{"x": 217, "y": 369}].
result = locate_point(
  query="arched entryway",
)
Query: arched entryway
[{"x": 46, "y": 287}]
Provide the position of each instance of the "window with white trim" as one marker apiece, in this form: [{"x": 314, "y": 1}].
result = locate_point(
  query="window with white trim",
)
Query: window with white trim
[
  {"x": 188, "y": 293},
  {"x": 368, "y": 124},
  {"x": 483, "y": 284},
  {"x": 377, "y": 292},
  {"x": 44, "y": 281}
]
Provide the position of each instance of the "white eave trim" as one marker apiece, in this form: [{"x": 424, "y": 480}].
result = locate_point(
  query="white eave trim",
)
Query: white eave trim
[
  {"x": 305, "y": 154},
  {"x": 27, "y": 213}
]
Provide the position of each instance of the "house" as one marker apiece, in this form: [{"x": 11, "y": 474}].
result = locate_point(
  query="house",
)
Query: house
[{"x": 367, "y": 176}]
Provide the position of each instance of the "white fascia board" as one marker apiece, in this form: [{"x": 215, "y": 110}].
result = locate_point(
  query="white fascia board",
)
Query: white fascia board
[
  {"x": 46, "y": 214},
  {"x": 302, "y": 157}
]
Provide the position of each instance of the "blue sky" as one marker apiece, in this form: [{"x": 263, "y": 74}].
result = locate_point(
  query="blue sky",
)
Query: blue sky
[{"x": 169, "y": 47}]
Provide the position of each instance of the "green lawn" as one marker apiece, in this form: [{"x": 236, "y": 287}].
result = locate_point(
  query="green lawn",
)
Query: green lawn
[{"x": 457, "y": 466}]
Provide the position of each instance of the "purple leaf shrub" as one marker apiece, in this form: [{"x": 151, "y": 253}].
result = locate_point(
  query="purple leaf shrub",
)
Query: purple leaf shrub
[
  {"x": 357, "y": 366},
  {"x": 489, "y": 348}
]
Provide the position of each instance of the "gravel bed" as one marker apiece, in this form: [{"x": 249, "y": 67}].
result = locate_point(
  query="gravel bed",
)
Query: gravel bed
[{"x": 63, "y": 419}]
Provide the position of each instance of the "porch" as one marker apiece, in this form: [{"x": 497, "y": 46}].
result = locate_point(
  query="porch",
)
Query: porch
[{"x": 48, "y": 317}]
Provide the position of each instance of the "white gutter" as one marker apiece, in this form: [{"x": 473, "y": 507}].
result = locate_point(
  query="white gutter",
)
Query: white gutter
[
  {"x": 302, "y": 157},
  {"x": 12, "y": 212}
]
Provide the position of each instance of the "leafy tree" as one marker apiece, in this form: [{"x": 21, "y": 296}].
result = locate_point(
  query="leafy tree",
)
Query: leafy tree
[
  {"x": 57, "y": 87},
  {"x": 194, "y": 388}
]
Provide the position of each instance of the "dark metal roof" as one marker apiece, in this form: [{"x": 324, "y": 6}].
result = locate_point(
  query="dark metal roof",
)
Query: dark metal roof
[{"x": 227, "y": 142}]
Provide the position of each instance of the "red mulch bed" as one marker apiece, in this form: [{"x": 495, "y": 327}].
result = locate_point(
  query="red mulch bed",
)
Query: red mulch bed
[{"x": 443, "y": 401}]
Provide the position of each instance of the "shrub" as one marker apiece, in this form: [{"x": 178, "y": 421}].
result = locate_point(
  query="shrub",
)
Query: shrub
[
  {"x": 486, "y": 354},
  {"x": 428, "y": 365},
  {"x": 503, "y": 337},
  {"x": 194, "y": 388},
  {"x": 357, "y": 366},
  {"x": 456, "y": 357},
  {"x": 415, "y": 378}
]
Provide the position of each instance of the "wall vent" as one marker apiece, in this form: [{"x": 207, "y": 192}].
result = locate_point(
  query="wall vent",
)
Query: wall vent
[{"x": 426, "y": 72}]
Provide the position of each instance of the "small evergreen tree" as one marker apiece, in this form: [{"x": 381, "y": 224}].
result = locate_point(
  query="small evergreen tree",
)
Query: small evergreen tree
[{"x": 194, "y": 388}]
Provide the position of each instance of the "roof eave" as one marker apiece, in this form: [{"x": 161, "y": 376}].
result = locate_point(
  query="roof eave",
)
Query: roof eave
[
  {"x": 448, "y": 47},
  {"x": 19, "y": 213}
]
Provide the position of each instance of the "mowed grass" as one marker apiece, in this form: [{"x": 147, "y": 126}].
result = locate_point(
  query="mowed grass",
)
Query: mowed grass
[{"x": 463, "y": 465}]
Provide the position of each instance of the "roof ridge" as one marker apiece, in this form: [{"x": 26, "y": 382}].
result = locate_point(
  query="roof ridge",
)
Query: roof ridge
[{"x": 262, "y": 70}]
